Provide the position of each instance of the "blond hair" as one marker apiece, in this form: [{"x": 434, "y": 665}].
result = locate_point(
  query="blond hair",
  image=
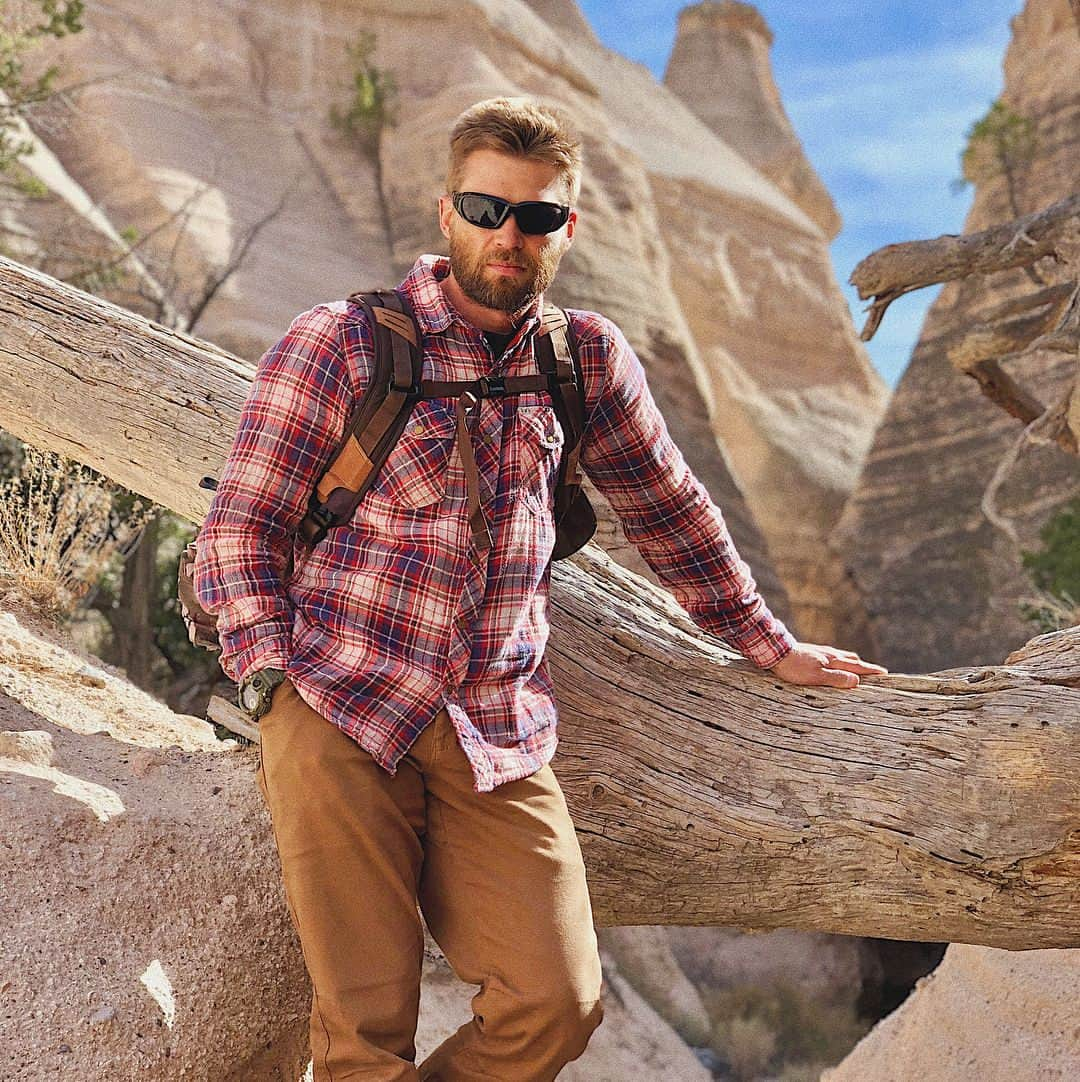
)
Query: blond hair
[{"x": 523, "y": 127}]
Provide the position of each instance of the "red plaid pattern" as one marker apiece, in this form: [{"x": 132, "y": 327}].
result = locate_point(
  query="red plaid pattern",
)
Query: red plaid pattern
[{"x": 395, "y": 614}]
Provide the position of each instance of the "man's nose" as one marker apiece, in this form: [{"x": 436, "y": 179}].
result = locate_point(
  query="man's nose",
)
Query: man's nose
[{"x": 509, "y": 234}]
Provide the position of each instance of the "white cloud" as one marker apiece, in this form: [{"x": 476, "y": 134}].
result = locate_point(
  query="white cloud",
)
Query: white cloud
[{"x": 870, "y": 84}]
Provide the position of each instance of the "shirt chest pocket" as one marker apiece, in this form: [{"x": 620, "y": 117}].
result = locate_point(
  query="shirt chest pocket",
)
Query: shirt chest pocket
[
  {"x": 537, "y": 451},
  {"x": 414, "y": 473}
]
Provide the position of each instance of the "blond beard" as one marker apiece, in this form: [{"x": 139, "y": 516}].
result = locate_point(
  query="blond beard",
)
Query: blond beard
[{"x": 500, "y": 294}]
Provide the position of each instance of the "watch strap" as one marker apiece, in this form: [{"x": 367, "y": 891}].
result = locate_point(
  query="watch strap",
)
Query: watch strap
[{"x": 263, "y": 682}]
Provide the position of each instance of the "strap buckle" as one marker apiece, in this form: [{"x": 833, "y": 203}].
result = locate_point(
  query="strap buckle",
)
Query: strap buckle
[
  {"x": 492, "y": 386},
  {"x": 323, "y": 517},
  {"x": 412, "y": 390}
]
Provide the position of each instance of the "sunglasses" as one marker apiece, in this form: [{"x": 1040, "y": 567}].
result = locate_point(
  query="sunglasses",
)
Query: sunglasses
[{"x": 489, "y": 212}]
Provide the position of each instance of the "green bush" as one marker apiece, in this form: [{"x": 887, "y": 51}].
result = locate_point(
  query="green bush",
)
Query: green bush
[
  {"x": 374, "y": 102},
  {"x": 18, "y": 33},
  {"x": 1055, "y": 571}
]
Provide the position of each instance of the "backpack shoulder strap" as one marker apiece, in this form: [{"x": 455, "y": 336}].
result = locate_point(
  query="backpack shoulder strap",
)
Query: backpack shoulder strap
[
  {"x": 557, "y": 357},
  {"x": 378, "y": 417}
]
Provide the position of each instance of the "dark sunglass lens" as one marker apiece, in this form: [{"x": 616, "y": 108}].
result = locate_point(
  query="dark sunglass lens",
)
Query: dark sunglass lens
[
  {"x": 483, "y": 210},
  {"x": 540, "y": 217}
]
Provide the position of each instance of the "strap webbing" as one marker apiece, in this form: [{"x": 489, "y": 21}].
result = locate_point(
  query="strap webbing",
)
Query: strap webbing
[{"x": 556, "y": 357}]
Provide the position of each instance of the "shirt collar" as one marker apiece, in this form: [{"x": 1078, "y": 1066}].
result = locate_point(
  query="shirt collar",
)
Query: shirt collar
[{"x": 433, "y": 311}]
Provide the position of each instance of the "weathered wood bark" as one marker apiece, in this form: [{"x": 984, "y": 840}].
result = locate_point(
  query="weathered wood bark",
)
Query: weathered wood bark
[
  {"x": 939, "y": 807},
  {"x": 897, "y": 269},
  {"x": 1011, "y": 333}
]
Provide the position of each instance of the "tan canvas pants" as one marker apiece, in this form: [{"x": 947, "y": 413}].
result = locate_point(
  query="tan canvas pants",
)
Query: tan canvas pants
[{"x": 499, "y": 878}]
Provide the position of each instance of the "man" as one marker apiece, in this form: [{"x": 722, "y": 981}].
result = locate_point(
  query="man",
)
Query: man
[{"x": 405, "y": 755}]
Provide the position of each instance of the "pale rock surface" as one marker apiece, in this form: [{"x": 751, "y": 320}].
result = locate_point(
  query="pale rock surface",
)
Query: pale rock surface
[
  {"x": 644, "y": 957},
  {"x": 720, "y": 67},
  {"x": 987, "y": 1014},
  {"x": 943, "y": 584},
  {"x": 564, "y": 17},
  {"x": 145, "y": 932}
]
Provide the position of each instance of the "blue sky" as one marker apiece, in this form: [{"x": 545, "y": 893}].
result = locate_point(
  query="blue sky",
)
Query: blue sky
[{"x": 881, "y": 96}]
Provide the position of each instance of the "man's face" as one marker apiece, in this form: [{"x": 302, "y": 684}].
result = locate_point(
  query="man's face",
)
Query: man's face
[{"x": 504, "y": 268}]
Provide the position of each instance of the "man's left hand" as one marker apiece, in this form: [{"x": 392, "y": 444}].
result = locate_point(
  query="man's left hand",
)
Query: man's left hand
[{"x": 809, "y": 663}]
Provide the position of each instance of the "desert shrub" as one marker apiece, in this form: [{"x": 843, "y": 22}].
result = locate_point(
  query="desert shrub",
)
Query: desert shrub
[
  {"x": 1055, "y": 571},
  {"x": 59, "y": 532},
  {"x": 748, "y": 1044},
  {"x": 373, "y": 105},
  {"x": 21, "y": 30},
  {"x": 807, "y": 1032}
]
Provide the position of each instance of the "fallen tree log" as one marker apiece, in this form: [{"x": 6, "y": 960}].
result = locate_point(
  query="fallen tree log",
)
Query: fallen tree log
[{"x": 936, "y": 807}]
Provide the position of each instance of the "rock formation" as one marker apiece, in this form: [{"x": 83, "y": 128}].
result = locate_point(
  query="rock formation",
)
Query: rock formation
[
  {"x": 998, "y": 1016},
  {"x": 914, "y": 529},
  {"x": 720, "y": 68},
  {"x": 140, "y": 884}
]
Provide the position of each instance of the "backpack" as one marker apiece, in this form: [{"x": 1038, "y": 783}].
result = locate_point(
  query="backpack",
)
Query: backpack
[{"x": 380, "y": 417}]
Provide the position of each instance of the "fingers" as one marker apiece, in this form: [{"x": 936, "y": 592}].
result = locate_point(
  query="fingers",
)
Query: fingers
[
  {"x": 848, "y": 658},
  {"x": 838, "y": 678},
  {"x": 860, "y": 666}
]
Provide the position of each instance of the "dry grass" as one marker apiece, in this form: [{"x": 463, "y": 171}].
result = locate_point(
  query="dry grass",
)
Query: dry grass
[
  {"x": 749, "y": 1043},
  {"x": 780, "y": 1031},
  {"x": 1050, "y": 612},
  {"x": 59, "y": 532}
]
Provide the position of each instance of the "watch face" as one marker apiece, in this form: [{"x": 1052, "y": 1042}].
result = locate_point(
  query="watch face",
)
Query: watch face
[{"x": 249, "y": 697}]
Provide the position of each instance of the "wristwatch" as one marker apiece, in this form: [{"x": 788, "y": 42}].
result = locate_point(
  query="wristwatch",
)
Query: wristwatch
[{"x": 256, "y": 690}]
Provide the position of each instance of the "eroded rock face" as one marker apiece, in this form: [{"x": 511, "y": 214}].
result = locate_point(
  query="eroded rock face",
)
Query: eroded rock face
[
  {"x": 564, "y": 17},
  {"x": 644, "y": 957},
  {"x": 944, "y": 583},
  {"x": 990, "y": 1014},
  {"x": 787, "y": 386},
  {"x": 720, "y": 68},
  {"x": 145, "y": 934},
  {"x": 709, "y": 267}
]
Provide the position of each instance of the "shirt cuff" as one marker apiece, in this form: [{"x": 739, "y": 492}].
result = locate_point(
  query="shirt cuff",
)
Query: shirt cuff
[
  {"x": 253, "y": 649},
  {"x": 764, "y": 643}
]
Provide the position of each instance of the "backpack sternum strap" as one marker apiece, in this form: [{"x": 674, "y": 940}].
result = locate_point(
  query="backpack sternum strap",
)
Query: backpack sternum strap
[{"x": 484, "y": 387}]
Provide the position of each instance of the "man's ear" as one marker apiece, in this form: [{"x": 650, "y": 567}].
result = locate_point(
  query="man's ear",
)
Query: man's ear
[
  {"x": 570, "y": 223},
  {"x": 446, "y": 209}
]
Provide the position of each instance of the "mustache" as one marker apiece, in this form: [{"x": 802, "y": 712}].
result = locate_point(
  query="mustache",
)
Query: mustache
[{"x": 507, "y": 258}]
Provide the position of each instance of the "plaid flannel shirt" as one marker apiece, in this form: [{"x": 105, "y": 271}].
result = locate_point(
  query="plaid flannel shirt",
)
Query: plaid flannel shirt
[{"x": 395, "y": 614}]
